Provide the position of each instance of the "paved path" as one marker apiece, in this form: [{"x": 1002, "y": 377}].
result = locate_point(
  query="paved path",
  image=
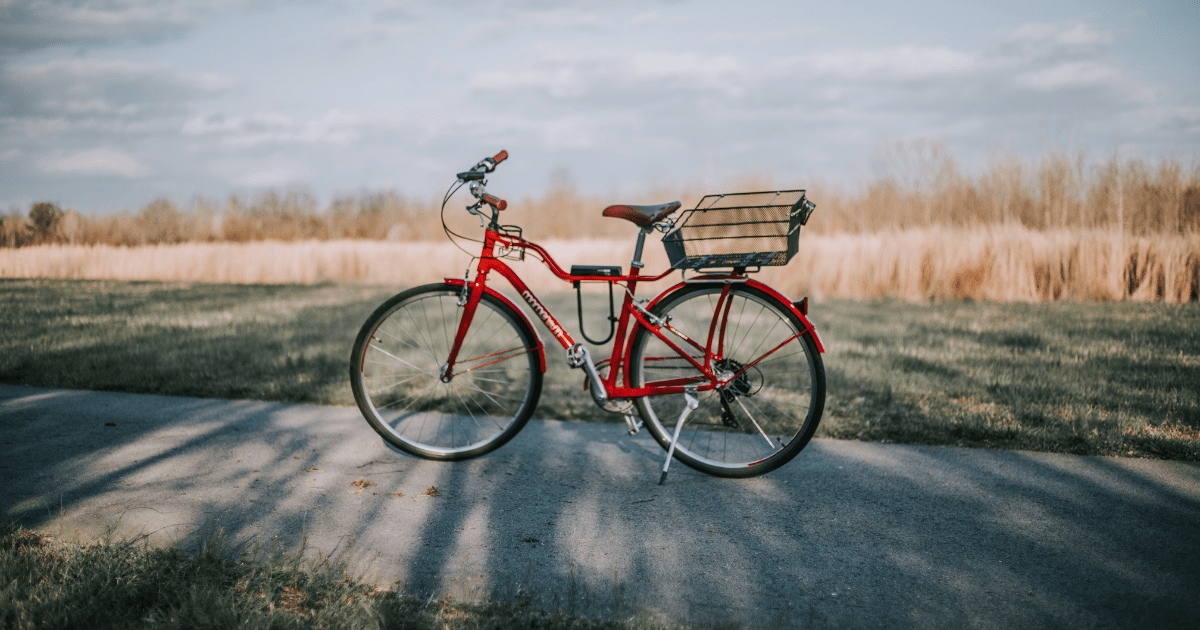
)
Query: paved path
[{"x": 852, "y": 534}]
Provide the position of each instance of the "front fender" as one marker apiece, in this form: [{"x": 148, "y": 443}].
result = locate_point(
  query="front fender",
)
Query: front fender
[{"x": 541, "y": 348}]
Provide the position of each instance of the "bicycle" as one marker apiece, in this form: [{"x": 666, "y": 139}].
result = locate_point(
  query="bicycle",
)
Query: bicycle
[{"x": 453, "y": 370}]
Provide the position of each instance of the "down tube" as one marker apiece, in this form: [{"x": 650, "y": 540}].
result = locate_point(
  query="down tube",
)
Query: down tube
[{"x": 556, "y": 329}]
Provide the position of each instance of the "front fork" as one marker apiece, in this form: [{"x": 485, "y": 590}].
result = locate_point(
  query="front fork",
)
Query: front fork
[{"x": 469, "y": 301}]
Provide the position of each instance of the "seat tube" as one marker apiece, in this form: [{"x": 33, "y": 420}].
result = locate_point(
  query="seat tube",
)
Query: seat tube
[
  {"x": 716, "y": 330},
  {"x": 617, "y": 361}
]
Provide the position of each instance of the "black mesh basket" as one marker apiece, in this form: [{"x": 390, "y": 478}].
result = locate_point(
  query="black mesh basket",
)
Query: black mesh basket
[{"x": 751, "y": 229}]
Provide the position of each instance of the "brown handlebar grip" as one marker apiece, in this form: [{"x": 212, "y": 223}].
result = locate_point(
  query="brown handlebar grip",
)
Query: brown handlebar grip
[
  {"x": 500, "y": 157},
  {"x": 496, "y": 202}
]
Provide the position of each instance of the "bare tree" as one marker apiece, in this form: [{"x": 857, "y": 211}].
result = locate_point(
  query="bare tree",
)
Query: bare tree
[{"x": 45, "y": 217}]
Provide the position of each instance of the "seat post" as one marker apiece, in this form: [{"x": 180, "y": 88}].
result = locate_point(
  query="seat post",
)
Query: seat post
[{"x": 637, "y": 263}]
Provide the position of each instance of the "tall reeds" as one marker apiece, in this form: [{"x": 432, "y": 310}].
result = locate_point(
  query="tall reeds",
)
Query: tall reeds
[
  {"x": 1002, "y": 263},
  {"x": 919, "y": 186},
  {"x": 1056, "y": 193},
  {"x": 1060, "y": 228}
]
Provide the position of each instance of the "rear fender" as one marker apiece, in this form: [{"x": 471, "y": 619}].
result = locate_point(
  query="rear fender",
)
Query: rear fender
[
  {"x": 791, "y": 305},
  {"x": 541, "y": 348},
  {"x": 808, "y": 325}
]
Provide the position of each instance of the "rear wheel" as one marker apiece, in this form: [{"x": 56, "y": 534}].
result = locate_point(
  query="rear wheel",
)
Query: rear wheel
[
  {"x": 396, "y": 374},
  {"x": 769, "y": 409}
]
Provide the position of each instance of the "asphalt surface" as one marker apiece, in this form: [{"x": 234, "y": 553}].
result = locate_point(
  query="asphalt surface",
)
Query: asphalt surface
[{"x": 847, "y": 535}]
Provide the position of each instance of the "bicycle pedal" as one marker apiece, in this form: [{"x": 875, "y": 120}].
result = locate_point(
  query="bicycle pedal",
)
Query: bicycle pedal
[{"x": 619, "y": 405}]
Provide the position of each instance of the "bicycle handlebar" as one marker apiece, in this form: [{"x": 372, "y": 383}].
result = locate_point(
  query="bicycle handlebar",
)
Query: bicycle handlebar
[
  {"x": 485, "y": 166},
  {"x": 475, "y": 177},
  {"x": 494, "y": 201}
]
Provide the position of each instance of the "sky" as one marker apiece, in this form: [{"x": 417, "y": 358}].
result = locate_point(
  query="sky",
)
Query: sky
[{"x": 108, "y": 104}]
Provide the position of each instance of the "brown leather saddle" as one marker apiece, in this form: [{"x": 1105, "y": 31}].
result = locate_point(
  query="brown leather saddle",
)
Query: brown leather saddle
[{"x": 642, "y": 216}]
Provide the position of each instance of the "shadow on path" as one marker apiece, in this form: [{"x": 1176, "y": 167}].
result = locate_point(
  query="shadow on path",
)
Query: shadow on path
[{"x": 859, "y": 534}]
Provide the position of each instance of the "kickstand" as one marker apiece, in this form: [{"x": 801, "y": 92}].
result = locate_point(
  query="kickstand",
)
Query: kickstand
[{"x": 690, "y": 397}]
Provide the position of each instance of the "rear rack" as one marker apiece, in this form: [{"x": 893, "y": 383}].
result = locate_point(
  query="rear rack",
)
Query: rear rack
[{"x": 739, "y": 230}]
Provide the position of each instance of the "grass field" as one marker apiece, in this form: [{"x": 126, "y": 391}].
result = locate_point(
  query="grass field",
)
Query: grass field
[
  {"x": 1067, "y": 377},
  {"x": 48, "y": 583}
]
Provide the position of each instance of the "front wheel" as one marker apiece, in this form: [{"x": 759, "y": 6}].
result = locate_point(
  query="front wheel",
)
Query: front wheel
[
  {"x": 397, "y": 364},
  {"x": 770, "y": 407}
]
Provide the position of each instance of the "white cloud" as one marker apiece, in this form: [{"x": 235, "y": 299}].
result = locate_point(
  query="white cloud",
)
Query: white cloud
[
  {"x": 654, "y": 66},
  {"x": 1072, "y": 75},
  {"x": 81, "y": 87},
  {"x": 1071, "y": 33},
  {"x": 27, "y": 25},
  {"x": 99, "y": 161},
  {"x": 556, "y": 20},
  {"x": 335, "y": 127},
  {"x": 890, "y": 64},
  {"x": 373, "y": 33},
  {"x": 274, "y": 176}
]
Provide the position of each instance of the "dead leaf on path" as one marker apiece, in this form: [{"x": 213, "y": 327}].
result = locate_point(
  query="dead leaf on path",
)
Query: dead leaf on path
[
  {"x": 432, "y": 491},
  {"x": 312, "y": 470},
  {"x": 362, "y": 484}
]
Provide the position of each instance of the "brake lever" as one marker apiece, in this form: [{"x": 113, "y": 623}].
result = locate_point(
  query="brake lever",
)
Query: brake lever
[{"x": 474, "y": 209}]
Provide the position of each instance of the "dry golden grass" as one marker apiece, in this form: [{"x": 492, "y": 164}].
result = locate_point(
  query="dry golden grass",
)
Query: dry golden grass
[
  {"x": 919, "y": 186},
  {"x": 1000, "y": 263},
  {"x": 1055, "y": 229},
  {"x": 305, "y": 262}
]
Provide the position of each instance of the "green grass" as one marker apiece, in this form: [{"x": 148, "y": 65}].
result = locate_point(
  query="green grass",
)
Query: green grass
[
  {"x": 46, "y": 583},
  {"x": 1083, "y": 378},
  {"x": 1080, "y": 378}
]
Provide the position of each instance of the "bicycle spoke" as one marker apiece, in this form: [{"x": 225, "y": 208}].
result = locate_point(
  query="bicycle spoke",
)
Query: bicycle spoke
[
  {"x": 402, "y": 360},
  {"x": 386, "y": 388},
  {"x": 491, "y": 396},
  {"x": 756, "y": 425},
  {"x": 473, "y": 417},
  {"x": 415, "y": 343}
]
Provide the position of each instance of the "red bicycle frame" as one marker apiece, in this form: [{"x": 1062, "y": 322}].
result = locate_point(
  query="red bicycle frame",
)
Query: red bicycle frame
[{"x": 711, "y": 349}]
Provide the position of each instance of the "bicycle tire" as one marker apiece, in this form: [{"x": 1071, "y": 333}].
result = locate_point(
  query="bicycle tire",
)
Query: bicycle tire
[
  {"x": 396, "y": 365},
  {"x": 776, "y": 403}
]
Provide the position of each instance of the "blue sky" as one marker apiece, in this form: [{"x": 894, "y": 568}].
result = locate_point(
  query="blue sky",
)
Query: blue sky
[{"x": 106, "y": 105}]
